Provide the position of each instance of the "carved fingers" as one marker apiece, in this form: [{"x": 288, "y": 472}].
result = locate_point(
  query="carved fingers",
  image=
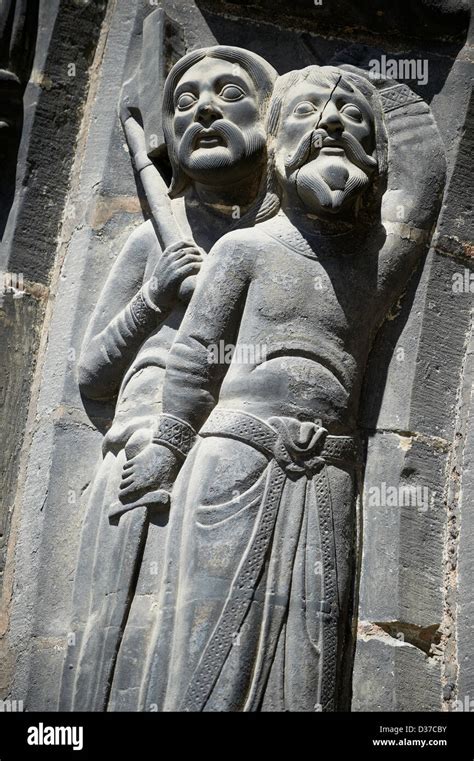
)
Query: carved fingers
[
  {"x": 152, "y": 468},
  {"x": 179, "y": 261}
]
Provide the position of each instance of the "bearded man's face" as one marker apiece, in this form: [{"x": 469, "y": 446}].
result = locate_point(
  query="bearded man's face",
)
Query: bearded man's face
[
  {"x": 217, "y": 123},
  {"x": 325, "y": 145}
]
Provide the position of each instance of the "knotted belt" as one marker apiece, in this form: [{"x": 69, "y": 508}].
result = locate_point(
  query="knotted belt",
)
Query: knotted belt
[{"x": 295, "y": 449}]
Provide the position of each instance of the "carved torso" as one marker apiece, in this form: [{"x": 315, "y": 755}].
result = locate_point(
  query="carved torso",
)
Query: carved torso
[{"x": 312, "y": 307}]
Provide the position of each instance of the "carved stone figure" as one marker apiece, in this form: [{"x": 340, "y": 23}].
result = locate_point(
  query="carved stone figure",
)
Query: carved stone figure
[
  {"x": 214, "y": 103},
  {"x": 255, "y": 610},
  {"x": 18, "y": 26}
]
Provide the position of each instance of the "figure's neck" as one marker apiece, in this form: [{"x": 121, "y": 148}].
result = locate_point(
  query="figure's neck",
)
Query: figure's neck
[
  {"x": 225, "y": 200},
  {"x": 312, "y": 224},
  {"x": 211, "y": 211},
  {"x": 315, "y": 223}
]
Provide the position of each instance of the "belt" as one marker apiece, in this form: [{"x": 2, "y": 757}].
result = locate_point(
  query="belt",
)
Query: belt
[{"x": 296, "y": 445}]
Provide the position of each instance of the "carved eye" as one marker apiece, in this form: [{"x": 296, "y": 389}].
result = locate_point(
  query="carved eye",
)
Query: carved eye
[
  {"x": 304, "y": 108},
  {"x": 186, "y": 100},
  {"x": 232, "y": 92},
  {"x": 352, "y": 112}
]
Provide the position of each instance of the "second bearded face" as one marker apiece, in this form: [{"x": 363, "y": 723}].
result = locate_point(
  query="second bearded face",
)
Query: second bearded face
[{"x": 325, "y": 143}]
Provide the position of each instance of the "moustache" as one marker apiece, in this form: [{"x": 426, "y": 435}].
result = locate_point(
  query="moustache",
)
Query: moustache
[
  {"x": 311, "y": 144},
  {"x": 229, "y": 132}
]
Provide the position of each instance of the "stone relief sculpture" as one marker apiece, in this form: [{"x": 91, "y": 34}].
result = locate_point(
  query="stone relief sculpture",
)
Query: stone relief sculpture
[
  {"x": 214, "y": 103},
  {"x": 18, "y": 27},
  {"x": 256, "y": 600},
  {"x": 257, "y": 461},
  {"x": 237, "y": 398}
]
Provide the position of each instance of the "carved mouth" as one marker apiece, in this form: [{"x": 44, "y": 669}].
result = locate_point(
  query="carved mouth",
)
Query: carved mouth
[
  {"x": 208, "y": 139},
  {"x": 332, "y": 147}
]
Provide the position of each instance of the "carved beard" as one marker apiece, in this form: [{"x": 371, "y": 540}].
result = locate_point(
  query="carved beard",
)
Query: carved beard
[
  {"x": 328, "y": 182},
  {"x": 238, "y": 147}
]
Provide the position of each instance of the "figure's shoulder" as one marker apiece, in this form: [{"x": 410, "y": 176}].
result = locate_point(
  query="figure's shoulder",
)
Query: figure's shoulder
[
  {"x": 246, "y": 240},
  {"x": 270, "y": 226},
  {"x": 237, "y": 251},
  {"x": 242, "y": 238},
  {"x": 140, "y": 244},
  {"x": 143, "y": 236}
]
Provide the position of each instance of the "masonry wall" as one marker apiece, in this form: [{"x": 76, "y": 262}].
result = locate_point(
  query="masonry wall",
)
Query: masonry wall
[{"x": 78, "y": 202}]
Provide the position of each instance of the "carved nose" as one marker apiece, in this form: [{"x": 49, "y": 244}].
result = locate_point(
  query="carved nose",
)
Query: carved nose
[
  {"x": 207, "y": 113},
  {"x": 331, "y": 119}
]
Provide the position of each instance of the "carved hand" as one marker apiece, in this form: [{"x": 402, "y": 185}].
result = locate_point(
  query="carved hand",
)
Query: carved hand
[
  {"x": 155, "y": 467},
  {"x": 178, "y": 262}
]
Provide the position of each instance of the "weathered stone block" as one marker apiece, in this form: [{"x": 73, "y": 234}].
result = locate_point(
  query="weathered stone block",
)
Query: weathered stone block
[
  {"x": 404, "y": 525},
  {"x": 391, "y": 675}
]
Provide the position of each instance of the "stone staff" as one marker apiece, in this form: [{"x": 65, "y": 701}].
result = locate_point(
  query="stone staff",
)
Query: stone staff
[
  {"x": 168, "y": 232},
  {"x": 156, "y": 190}
]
